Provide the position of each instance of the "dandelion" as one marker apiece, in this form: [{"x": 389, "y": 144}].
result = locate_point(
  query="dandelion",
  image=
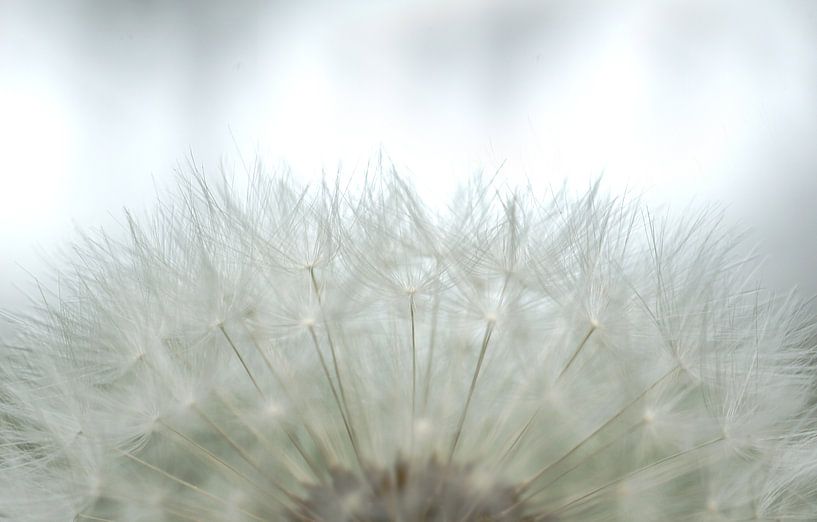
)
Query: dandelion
[{"x": 332, "y": 354}]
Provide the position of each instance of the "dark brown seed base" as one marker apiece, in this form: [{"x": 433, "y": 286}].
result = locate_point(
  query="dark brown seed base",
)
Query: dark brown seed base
[{"x": 430, "y": 492}]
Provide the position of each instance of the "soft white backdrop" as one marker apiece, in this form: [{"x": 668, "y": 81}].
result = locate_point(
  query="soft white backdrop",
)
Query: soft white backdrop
[{"x": 715, "y": 100}]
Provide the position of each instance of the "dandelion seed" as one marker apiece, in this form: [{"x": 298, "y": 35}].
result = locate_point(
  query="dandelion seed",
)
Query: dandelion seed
[{"x": 334, "y": 355}]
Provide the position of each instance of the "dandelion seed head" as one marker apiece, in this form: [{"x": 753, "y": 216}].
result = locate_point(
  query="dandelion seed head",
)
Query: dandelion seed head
[{"x": 331, "y": 355}]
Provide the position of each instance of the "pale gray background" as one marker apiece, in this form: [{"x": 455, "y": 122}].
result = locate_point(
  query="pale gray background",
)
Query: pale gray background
[{"x": 703, "y": 98}]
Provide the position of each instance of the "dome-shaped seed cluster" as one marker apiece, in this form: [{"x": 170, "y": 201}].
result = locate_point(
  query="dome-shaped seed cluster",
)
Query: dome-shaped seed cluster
[{"x": 329, "y": 354}]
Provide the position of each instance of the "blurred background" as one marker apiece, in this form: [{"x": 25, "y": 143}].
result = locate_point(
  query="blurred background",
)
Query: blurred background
[{"x": 100, "y": 101}]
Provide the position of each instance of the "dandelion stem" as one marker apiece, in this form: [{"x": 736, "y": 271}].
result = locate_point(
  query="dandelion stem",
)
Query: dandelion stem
[
  {"x": 431, "y": 340},
  {"x": 329, "y": 340},
  {"x": 543, "y": 487},
  {"x": 92, "y": 517},
  {"x": 241, "y": 451},
  {"x": 521, "y": 435},
  {"x": 184, "y": 483},
  {"x": 636, "y": 472},
  {"x": 608, "y": 422},
  {"x": 349, "y": 431},
  {"x": 240, "y": 358},
  {"x": 301, "y": 418},
  {"x": 457, "y": 434},
  {"x": 577, "y": 351},
  {"x": 413, "y": 369},
  {"x": 271, "y": 447},
  {"x": 141, "y": 500},
  {"x": 214, "y": 458}
]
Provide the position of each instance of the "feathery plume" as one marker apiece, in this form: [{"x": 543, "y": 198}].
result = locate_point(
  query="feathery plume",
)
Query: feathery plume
[{"x": 331, "y": 354}]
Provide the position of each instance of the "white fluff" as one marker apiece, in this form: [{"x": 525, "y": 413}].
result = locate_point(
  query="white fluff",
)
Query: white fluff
[{"x": 226, "y": 358}]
